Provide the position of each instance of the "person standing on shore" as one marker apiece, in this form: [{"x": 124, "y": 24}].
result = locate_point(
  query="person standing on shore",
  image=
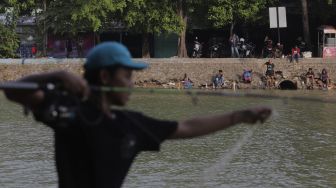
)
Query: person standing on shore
[
  {"x": 234, "y": 40},
  {"x": 68, "y": 45},
  {"x": 97, "y": 146},
  {"x": 34, "y": 51},
  {"x": 270, "y": 77}
]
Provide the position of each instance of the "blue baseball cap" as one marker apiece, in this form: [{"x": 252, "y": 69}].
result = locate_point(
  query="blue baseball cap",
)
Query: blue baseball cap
[{"x": 109, "y": 54}]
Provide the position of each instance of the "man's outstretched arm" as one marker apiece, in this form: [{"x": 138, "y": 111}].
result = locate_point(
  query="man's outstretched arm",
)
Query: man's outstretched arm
[{"x": 199, "y": 126}]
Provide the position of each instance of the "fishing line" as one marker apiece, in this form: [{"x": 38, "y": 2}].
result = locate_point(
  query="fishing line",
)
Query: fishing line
[
  {"x": 226, "y": 159},
  {"x": 212, "y": 171}
]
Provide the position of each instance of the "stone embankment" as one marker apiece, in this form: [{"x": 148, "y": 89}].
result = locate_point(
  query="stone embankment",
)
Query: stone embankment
[{"x": 168, "y": 72}]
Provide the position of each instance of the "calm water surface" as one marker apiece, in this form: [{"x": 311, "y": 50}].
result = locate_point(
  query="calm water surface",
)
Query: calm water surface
[{"x": 295, "y": 148}]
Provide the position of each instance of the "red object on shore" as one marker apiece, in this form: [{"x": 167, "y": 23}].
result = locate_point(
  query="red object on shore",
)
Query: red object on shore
[{"x": 33, "y": 50}]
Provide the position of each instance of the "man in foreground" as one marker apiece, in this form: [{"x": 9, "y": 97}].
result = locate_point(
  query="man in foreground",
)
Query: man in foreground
[{"x": 97, "y": 146}]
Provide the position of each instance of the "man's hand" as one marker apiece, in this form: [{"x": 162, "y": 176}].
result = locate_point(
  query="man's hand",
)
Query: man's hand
[
  {"x": 253, "y": 115},
  {"x": 75, "y": 84},
  {"x": 33, "y": 98}
]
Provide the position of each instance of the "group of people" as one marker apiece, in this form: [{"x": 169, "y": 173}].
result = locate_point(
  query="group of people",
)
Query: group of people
[
  {"x": 322, "y": 81},
  {"x": 312, "y": 81},
  {"x": 27, "y": 51},
  {"x": 218, "y": 79},
  {"x": 97, "y": 144},
  {"x": 246, "y": 77},
  {"x": 277, "y": 51}
]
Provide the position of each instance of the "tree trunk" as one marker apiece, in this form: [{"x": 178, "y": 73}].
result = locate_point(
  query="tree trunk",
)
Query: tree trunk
[
  {"x": 145, "y": 45},
  {"x": 182, "y": 49},
  {"x": 96, "y": 38},
  {"x": 231, "y": 28},
  {"x": 305, "y": 22},
  {"x": 45, "y": 31}
]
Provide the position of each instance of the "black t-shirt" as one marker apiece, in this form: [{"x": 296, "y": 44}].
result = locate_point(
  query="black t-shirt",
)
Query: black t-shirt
[{"x": 100, "y": 153}]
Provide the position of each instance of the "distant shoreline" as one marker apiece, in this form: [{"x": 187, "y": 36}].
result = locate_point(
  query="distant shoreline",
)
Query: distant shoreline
[{"x": 166, "y": 73}]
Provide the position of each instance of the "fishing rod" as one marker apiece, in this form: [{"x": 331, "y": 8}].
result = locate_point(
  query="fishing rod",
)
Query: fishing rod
[
  {"x": 193, "y": 93},
  {"x": 26, "y": 86}
]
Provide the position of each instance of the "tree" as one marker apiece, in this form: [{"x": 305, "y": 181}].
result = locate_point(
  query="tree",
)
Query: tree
[
  {"x": 322, "y": 11},
  {"x": 305, "y": 22},
  {"x": 151, "y": 17},
  {"x": 182, "y": 13},
  {"x": 70, "y": 17},
  {"x": 9, "y": 41},
  {"x": 186, "y": 9},
  {"x": 142, "y": 16},
  {"x": 224, "y": 12},
  {"x": 73, "y": 16},
  {"x": 219, "y": 12}
]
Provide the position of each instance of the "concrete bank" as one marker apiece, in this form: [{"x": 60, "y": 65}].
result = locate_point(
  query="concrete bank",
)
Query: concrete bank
[{"x": 165, "y": 71}]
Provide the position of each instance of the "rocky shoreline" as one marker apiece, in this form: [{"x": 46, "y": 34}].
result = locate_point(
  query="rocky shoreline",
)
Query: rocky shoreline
[{"x": 167, "y": 73}]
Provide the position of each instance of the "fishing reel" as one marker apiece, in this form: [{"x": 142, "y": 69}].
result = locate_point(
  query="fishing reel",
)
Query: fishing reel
[{"x": 59, "y": 109}]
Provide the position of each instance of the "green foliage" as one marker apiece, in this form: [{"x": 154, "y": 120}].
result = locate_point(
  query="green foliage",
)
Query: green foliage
[
  {"x": 8, "y": 42},
  {"x": 142, "y": 16},
  {"x": 223, "y": 12},
  {"x": 73, "y": 16},
  {"x": 149, "y": 16}
]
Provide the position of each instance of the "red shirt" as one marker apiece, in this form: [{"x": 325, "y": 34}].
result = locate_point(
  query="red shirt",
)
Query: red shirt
[
  {"x": 295, "y": 51},
  {"x": 33, "y": 50}
]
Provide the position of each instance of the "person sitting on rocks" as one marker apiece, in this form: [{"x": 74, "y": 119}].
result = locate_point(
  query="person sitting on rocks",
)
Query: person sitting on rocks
[
  {"x": 186, "y": 82},
  {"x": 270, "y": 78},
  {"x": 324, "y": 79},
  {"x": 295, "y": 54},
  {"x": 218, "y": 80},
  {"x": 310, "y": 79},
  {"x": 247, "y": 76}
]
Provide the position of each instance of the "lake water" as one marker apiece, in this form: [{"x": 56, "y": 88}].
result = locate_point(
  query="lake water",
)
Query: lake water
[{"x": 296, "y": 147}]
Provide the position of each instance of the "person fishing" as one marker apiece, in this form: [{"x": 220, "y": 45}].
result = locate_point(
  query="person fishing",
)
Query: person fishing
[{"x": 96, "y": 147}]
